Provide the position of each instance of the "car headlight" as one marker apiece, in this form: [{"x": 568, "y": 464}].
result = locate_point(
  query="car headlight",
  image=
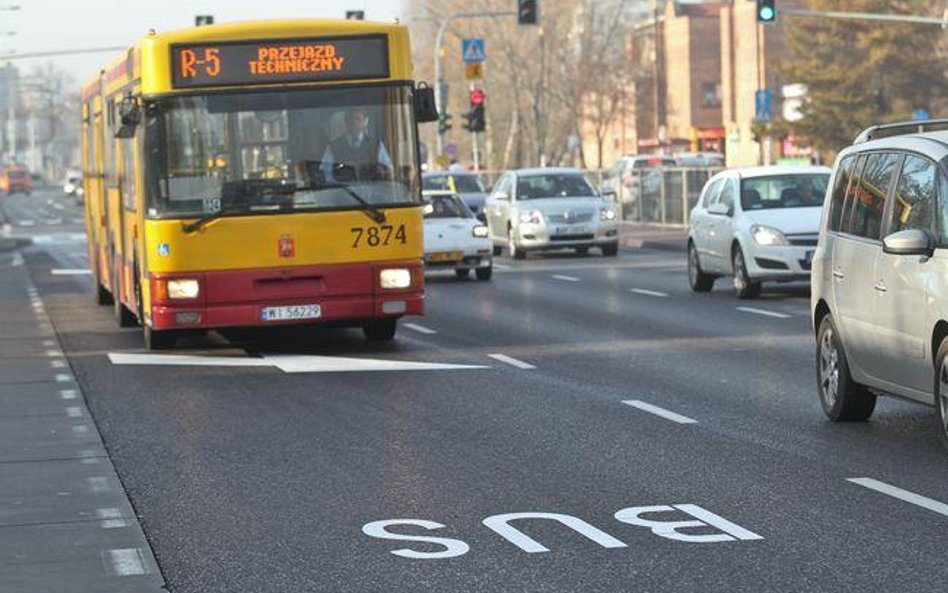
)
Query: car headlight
[
  {"x": 531, "y": 217},
  {"x": 768, "y": 236},
  {"x": 607, "y": 214},
  {"x": 183, "y": 289},
  {"x": 480, "y": 231},
  {"x": 395, "y": 278}
]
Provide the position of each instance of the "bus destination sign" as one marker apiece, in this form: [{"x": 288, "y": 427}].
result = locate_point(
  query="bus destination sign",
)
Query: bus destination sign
[{"x": 262, "y": 62}]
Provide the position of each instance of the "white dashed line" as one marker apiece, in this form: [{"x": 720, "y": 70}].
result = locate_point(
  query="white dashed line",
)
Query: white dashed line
[
  {"x": 652, "y": 293},
  {"x": 26, "y": 223},
  {"x": 904, "y": 495},
  {"x": 68, "y": 394},
  {"x": 70, "y": 272},
  {"x": 74, "y": 411},
  {"x": 511, "y": 361},
  {"x": 62, "y": 378},
  {"x": 566, "y": 278},
  {"x": 127, "y": 562},
  {"x": 419, "y": 328},
  {"x": 502, "y": 267},
  {"x": 764, "y": 312},
  {"x": 111, "y": 518},
  {"x": 57, "y": 364},
  {"x": 99, "y": 484},
  {"x": 80, "y": 430},
  {"x": 666, "y": 414}
]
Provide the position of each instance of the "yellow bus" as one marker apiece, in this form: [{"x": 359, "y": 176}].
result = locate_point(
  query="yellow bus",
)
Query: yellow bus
[{"x": 256, "y": 174}]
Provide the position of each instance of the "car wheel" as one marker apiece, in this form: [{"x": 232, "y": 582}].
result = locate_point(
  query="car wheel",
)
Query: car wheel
[
  {"x": 380, "y": 330},
  {"x": 512, "y": 248},
  {"x": 462, "y": 273},
  {"x": 698, "y": 280},
  {"x": 610, "y": 249},
  {"x": 484, "y": 273},
  {"x": 157, "y": 340},
  {"x": 743, "y": 285},
  {"x": 941, "y": 391},
  {"x": 842, "y": 398}
]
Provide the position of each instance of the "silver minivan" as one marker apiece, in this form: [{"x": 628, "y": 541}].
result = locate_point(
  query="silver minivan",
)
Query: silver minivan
[{"x": 880, "y": 275}]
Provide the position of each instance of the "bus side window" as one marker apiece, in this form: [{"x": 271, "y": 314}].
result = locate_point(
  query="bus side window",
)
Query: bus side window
[
  {"x": 109, "y": 145},
  {"x": 129, "y": 146}
]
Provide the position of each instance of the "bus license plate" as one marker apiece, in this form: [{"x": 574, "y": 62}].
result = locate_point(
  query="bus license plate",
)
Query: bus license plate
[{"x": 291, "y": 313}]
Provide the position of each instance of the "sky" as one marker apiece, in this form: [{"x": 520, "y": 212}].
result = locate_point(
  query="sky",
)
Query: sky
[{"x": 46, "y": 25}]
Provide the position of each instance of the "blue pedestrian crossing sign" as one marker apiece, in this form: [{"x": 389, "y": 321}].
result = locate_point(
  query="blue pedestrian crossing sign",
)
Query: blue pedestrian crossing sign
[
  {"x": 472, "y": 51},
  {"x": 763, "y": 103}
]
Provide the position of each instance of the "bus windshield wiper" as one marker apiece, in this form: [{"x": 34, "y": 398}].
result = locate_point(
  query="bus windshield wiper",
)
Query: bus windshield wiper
[
  {"x": 368, "y": 209},
  {"x": 205, "y": 220}
]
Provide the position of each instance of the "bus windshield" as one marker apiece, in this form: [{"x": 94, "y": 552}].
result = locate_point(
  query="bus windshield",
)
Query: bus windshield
[{"x": 279, "y": 151}]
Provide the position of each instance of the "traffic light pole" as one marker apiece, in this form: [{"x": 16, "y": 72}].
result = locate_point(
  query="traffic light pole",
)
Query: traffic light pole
[
  {"x": 439, "y": 43},
  {"x": 868, "y": 16}
]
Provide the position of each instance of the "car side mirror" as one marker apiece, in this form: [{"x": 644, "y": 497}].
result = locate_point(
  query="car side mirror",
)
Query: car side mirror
[
  {"x": 426, "y": 109},
  {"x": 909, "y": 242},
  {"x": 719, "y": 209}
]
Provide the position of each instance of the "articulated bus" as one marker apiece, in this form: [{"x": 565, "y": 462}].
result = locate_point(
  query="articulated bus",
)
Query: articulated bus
[{"x": 255, "y": 174}]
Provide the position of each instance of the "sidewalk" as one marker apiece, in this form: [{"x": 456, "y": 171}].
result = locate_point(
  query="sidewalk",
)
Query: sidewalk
[
  {"x": 653, "y": 236},
  {"x": 65, "y": 521}
]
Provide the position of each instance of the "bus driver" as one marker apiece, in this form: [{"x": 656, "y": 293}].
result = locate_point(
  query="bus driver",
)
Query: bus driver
[{"x": 357, "y": 149}]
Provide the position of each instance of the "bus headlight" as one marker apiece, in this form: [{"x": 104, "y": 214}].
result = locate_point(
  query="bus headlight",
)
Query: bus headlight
[
  {"x": 395, "y": 278},
  {"x": 480, "y": 231},
  {"x": 186, "y": 288}
]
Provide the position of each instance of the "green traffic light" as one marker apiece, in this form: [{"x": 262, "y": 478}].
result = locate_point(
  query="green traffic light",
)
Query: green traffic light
[{"x": 767, "y": 13}]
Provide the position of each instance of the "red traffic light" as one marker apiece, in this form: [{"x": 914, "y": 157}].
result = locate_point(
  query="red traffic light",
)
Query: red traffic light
[{"x": 477, "y": 97}]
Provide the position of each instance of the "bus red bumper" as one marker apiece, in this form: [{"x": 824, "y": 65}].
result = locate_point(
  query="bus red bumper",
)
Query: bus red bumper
[{"x": 238, "y": 298}]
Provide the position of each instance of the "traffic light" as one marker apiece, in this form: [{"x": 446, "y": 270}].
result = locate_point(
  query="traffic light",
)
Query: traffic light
[
  {"x": 203, "y": 19},
  {"x": 444, "y": 123},
  {"x": 766, "y": 11},
  {"x": 528, "y": 12},
  {"x": 476, "y": 118},
  {"x": 355, "y": 15}
]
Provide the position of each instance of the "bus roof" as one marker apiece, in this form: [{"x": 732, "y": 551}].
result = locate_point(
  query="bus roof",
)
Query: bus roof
[{"x": 149, "y": 60}]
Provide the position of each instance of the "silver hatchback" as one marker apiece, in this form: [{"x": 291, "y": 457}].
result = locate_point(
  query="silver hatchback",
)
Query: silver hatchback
[{"x": 880, "y": 275}]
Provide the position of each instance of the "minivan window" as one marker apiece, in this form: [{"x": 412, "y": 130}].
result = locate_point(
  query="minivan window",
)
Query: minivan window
[
  {"x": 843, "y": 174},
  {"x": 913, "y": 203},
  {"x": 870, "y": 194}
]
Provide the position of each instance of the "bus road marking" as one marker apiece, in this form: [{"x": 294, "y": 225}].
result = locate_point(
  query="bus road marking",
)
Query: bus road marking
[
  {"x": 419, "y": 328},
  {"x": 566, "y": 278},
  {"x": 653, "y": 409},
  {"x": 511, "y": 361},
  {"x": 652, "y": 293},
  {"x": 903, "y": 495},
  {"x": 764, "y": 312}
]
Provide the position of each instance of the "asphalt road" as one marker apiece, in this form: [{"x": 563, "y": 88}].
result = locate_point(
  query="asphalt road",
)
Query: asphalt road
[{"x": 639, "y": 396}]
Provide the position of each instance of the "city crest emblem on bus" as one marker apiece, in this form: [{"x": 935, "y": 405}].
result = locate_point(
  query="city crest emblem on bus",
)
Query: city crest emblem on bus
[{"x": 287, "y": 246}]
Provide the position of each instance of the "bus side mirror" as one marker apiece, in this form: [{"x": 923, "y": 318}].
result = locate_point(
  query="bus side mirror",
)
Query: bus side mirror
[
  {"x": 425, "y": 108},
  {"x": 130, "y": 115}
]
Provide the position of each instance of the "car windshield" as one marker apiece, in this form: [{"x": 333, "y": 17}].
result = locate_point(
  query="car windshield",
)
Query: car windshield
[
  {"x": 446, "y": 206},
  {"x": 468, "y": 184},
  {"x": 281, "y": 151},
  {"x": 554, "y": 185},
  {"x": 434, "y": 182},
  {"x": 784, "y": 191}
]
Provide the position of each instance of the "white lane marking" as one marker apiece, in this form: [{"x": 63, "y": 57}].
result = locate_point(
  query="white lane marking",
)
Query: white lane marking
[
  {"x": 566, "y": 278},
  {"x": 653, "y": 293},
  {"x": 63, "y": 378},
  {"x": 69, "y": 272},
  {"x": 511, "y": 361},
  {"x": 127, "y": 562},
  {"x": 53, "y": 353},
  {"x": 6, "y": 229},
  {"x": 59, "y": 207},
  {"x": 68, "y": 394},
  {"x": 49, "y": 343},
  {"x": 57, "y": 364},
  {"x": 50, "y": 201},
  {"x": 502, "y": 267},
  {"x": 26, "y": 223},
  {"x": 652, "y": 409},
  {"x": 288, "y": 363},
  {"x": 764, "y": 312},
  {"x": 74, "y": 411},
  {"x": 335, "y": 364},
  {"x": 419, "y": 328},
  {"x": 80, "y": 430},
  {"x": 54, "y": 221},
  {"x": 17, "y": 260},
  {"x": 904, "y": 495}
]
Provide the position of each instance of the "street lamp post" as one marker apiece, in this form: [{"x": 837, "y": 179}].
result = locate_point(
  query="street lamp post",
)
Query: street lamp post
[{"x": 439, "y": 42}]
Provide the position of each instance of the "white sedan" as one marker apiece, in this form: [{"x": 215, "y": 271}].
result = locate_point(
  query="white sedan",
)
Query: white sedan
[
  {"x": 757, "y": 224},
  {"x": 454, "y": 238}
]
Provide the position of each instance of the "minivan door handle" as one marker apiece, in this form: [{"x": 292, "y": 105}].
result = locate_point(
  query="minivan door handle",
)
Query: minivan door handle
[
  {"x": 837, "y": 273},
  {"x": 880, "y": 286}
]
